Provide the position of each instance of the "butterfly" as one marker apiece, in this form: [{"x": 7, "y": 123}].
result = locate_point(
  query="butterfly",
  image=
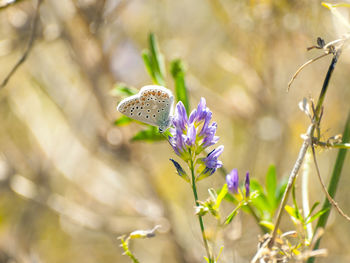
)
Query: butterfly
[{"x": 152, "y": 105}]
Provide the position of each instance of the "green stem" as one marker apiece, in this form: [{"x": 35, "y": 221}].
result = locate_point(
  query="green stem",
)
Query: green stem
[
  {"x": 125, "y": 246},
  {"x": 322, "y": 221},
  {"x": 201, "y": 224},
  {"x": 325, "y": 84}
]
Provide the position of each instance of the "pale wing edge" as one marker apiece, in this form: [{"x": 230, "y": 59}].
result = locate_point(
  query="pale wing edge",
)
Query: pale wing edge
[{"x": 126, "y": 100}]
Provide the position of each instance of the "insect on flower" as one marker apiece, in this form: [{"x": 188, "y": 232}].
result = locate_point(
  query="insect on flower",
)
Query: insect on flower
[{"x": 152, "y": 105}]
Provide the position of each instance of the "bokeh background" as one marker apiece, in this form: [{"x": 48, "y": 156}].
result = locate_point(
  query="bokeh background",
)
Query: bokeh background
[{"x": 71, "y": 182}]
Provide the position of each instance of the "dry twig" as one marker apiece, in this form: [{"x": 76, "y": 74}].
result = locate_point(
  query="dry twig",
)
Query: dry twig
[
  {"x": 330, "y": 199},
  {"x": 302, "y": 67},
  {"x": 307, "y": 142},
  {"x": 28, "y": 49}
]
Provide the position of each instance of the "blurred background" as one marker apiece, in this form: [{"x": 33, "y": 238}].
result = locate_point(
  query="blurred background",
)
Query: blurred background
[{"x": 71, "y": 182}]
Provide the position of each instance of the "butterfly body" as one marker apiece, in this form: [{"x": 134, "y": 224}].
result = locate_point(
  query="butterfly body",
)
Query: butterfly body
[{"x": 152, "y": 105}]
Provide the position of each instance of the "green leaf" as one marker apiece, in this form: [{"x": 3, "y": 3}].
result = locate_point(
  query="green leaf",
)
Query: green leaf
[
  {"x": 296, "y": 208},
  {"x": 230, "y": 198},
  {"x": 149, "y": 135},
  {"x": 157, "y": 59},
  {"x": 261, "y": 202},
  {"x": 267, "y": 224},
  {"x": 178, "y": 72},
  {"x": 292, "y": 211},
  {"x": 123, "y": 90},
  {"x": 280, "y": 190},
  {"x": 232, "y": 215},
  {"x": 312, "y": 209},
  {"x": 271, "y": 184},
  {"x": 154, "y": 62},
  {"x": 123, "y": 120},
  {"x": 219, "y": 254},
  {"x": 317, "y": 215},
  {"x": 147, "y": 60},
  {"x": 221, "y": 196}
]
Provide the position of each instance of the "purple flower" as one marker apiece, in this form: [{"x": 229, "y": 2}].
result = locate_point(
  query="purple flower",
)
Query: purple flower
[
  {"x": 232, "y": 181},
  {"x": 190, "y": 136},
  {"x": 211, "y": 161},
  {"x": 247, "y": 185}
]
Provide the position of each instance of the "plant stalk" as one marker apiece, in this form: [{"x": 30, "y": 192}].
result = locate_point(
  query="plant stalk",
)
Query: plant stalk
[
  {"x": 322, "y": 221},
  {"x": 201, "y": 224},
  {"x": 305, "y": 193},
  {"x": 307, "y": 142}
]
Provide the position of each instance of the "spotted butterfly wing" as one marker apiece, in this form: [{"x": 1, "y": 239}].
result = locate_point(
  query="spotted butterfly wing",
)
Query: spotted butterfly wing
[{"x": 152, "y": 105}]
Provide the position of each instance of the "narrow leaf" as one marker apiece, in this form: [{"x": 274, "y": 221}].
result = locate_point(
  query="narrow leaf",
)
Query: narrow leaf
[
  {"x": 178, "y": 72},
  {"x": 232, "y": 215},
  {"x": 297, "y": 213},
  {"x": 267, "y": 224},
  {"x": 312, "y": 209},
  {"x": 230, "y": 198},
  {"x": 157, "y": 59},
  {"x": 271, "y": 184},
  {"x": 219, "y": 254},
  {"x": 123, "y": 120},
  {"x": 280, "y": 190},
  {"x": 221, "y": 196},
  {"x": 150, "y": 135},
  {"x": 123, "y": 90},
  {"x": 317, "y": 215},
  {"x": 147, "y": 60},
  {"x": 291, "y": 211}
]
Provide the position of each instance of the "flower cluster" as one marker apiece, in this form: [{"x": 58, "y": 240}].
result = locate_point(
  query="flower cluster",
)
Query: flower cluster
[
  {"x": 191, "y": 135},
  {"x": 232, "y": 181}
]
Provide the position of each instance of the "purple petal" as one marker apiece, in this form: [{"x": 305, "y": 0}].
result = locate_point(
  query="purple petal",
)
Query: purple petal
[
  {"x": 191, "y": 135},
  {"x": 218, "y": 151},
  {"x": 180, "y": 119},
  {"x": 211, "y": 161},
  {"x": 192, "y": 116},
  {"x": 247, "y": 185},
  {"x": 232, "y": 181},
  {"x": 207, "y": 120}
]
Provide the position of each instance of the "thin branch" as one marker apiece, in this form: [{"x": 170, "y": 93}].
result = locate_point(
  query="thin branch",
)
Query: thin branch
[
  {"x": 28, "y": 49},
  {"x": 333, "y": 145},
  {"x": 291, "y": 180},
  {"x": 332, "y": 187},
  {"x": 330, "y": 199},
  {"x": 307, "y": 142},
  {"x": 302, "y": 67}
]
